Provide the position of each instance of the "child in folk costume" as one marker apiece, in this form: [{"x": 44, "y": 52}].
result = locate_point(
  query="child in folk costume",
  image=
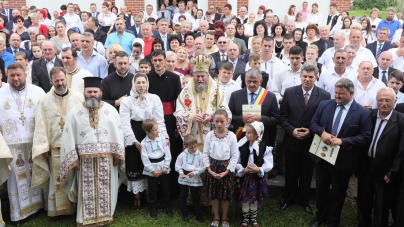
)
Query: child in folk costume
[
  {"x": 255, "y": 160},
  {"x": 189, "y": 165},
  {"x": 156, "y": 158},
  {"x": 220, "y": 156}
]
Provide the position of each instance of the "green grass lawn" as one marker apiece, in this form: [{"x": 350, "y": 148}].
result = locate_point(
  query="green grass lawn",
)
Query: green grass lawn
[
  {"x": 126, "y": 216},
  {"x": 360, "y": 12}
]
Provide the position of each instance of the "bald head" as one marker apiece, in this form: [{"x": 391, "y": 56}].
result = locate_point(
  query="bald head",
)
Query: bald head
[
  {"x": 385, "y": 60},
  {"x": 355, "y": 37},
  {"x": 15, "y": 41},
  {"x": 233, "y": 51}
]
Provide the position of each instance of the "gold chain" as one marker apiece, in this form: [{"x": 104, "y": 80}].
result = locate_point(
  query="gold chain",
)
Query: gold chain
[{"x": 22, "y": 116}]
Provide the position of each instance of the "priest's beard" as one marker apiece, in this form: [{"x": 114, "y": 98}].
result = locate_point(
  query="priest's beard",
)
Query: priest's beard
[
  {"x": 93, "y": 102},
  {"x": 60, "y": 89},
  {"x": 201, "y": 87},
  {"x": 18, "y": 86}
]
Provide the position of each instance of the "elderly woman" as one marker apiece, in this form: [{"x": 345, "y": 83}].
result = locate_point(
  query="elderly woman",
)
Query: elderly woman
[
  {"x": 374, "y": 18},
  {"x": 6, "y": 56},
  {"x": 227, "y": 16},
  {"x": 171, "y": 64},
  {"x": 111, "y": 51},
  {"x": 19, "y": 28},
  {"x": 311, "y": 31},
  {"x": 134, "y": 109},
  {"x": 61, "y": 40},
  {"x": 32, "y": 32},
  {"x": 35, "y": 23}
]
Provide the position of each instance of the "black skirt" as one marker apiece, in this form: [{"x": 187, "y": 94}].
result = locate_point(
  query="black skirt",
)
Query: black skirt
[{"x": 133, "y": 161}]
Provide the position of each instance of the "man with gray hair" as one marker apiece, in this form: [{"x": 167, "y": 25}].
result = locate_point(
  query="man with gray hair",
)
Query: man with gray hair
[
  {"x": 326, "y": 58},
  {"x": 382, "y": 162},
  {"x": 389, "y": 23},
  {"x": 380, "y": 45},
  {"x": 99, "y": 35},
  {"x": 351, "y": 53},
  {"x": 343, "y": 122},
  {"x": 162, "y": 33},
  {"x": 90, "y": 59},
  {"x": 6, "y": 56},
  {"x": 297, "y": 109},
  {"x": 242, "y": 15}
]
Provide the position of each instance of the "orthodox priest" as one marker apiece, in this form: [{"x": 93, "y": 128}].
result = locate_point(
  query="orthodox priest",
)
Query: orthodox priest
[
  {"x": 17, "y": 122},
  {"x": 91, "y": 155},
  {"x": 5, "y": 159},
  {"x": 75, "y": 73},
  {"x": 50, "y": 118},
  {"x": 167, "y": 85}
]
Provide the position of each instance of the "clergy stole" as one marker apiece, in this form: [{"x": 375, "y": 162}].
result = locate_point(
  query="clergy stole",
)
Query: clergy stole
[{"x": 258, "y": 100}]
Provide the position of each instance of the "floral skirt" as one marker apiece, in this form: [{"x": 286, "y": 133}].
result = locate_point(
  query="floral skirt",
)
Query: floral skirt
[
  {"x": 221, "y": 189},
  {"x": 253, "y": 189}
]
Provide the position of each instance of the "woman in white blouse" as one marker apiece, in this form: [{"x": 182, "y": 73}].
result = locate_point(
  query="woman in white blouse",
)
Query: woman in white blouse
[
  {"x": 315, "y": 17},
  {"x": 290, "y": 16},
  {"x": 249, "y": 26},
  {"x": 134, "y": 109},
  {"x": 299, "y": 23},
  {"x": 106, "y": 19},
  {"x": 374, "y": 18}
]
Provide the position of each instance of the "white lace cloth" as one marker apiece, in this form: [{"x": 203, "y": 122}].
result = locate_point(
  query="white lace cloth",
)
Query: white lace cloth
[{"x": 137, "y": 186}]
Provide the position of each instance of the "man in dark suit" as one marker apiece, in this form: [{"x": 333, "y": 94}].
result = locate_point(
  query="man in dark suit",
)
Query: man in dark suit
[
  {"x": 99, "y": 35},
  {"x": 15, "y": 42},
  {"x": 381, "y": 161},
  {"x": 7, "y": 10},
  {"x": 233, "y": 57},
  {"x": 382, "y": 37},
  {"x": 213, "y": 10},
  {"x": 136, "y": 27},
  {"x": 325, "y": 40},
  {"x": 5, "y": 18},
  {"x": 383, "y": 71},
  {"x": 248, "y": 95},
  {"x": 221, "y": 55},
  {"x": 41, "y": 67},
  {"x": 162, "y": 33},
  {"x": 93, "y": 10},
  {"x": 297, "y": 109},
  {"x": 345, "y": 123},
  {"x": 203, "y": 29}
]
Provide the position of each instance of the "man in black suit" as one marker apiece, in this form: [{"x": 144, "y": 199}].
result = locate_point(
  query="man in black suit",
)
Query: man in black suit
[
  {"x": 381, "y": 161},
  {"x": 325, "y": 40},
  {"x": 345, "y": 123},
  {"x": 297, "y": 109},
  {"x": 162, "y": 33},
  {"x": 382, "y": 37},
  {"x": 248, "y": 95},
  {"x": 383, "y": 71},
  {"x": 99, "y": 35},
  {"x": 93, "y": 10},
  {"x": 203, "y": 29},
  {"x": 233, "y": 57},
  {"x": 7, "y": 11},
  {"x": 137, "y": 26},
  {"x": 221, "y": 55},
  {"x": 41, "y": 67},
  {"x": 213, "y": 10},
  {"x": 2, "y": 15},
  {"x": 15, "y": 42}
]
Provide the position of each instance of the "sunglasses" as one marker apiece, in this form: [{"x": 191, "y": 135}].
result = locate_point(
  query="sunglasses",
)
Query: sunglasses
[{"x": 222, "y": 42}]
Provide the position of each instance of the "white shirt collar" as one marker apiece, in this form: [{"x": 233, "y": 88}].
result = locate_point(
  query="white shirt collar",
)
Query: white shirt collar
[
  {"x": 304, "y": 91},
  {"x": 385, "y": 119}
]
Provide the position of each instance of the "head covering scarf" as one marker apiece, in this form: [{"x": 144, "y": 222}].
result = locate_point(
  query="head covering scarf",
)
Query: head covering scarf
[
  {"x": 135, "y": 94},
  {"x": 259, "y": 129}
]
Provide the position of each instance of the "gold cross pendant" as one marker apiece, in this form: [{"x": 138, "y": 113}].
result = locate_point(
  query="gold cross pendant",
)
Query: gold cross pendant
[{"x": 61, "y": 123}]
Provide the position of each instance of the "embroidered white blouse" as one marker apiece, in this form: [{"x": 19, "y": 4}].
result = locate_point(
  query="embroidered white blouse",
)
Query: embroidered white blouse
[
  {"x": 192, "y": 163},
  {"x": 155, "y": 149}
]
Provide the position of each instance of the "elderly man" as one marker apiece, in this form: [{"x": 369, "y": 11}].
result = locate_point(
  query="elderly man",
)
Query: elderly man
[
  {"x": 366, "y": 86},
  {"x": 290, "y": 27},
  {"x": 231, "y": 32},
  {"x": 242, "y": 15},
  {"x": 74, "y": 72},
  {"x": 329, "y": 77},
  {"x": 50, "y": 118},
  {"x": 233, "y": 57},
  {"x": 382, "y": 162},
  {"x": 17, "y": 119},
  {"x": 203, "y": 29},
  {"x": 75, "y": 40},
  {"x": 162, "y": 33},
  {"x": 41, "y": 68},
  {"x": 297, "y": 109},
  {"x": 326, "y": 58},
  {"x": 15, "y": 44},
  {"x": 362, "y": 54},
  {"x": 185, "y": 27},
  {"x": 147, "y": 38},
  {"x": 135, "y": 24},
  {"x": 325, "y": 41},
  {"x": 90, "y": 59},
  {"x": 5, "y": 56},
  {"x": 389, "y": 23},
  {"x": 222, "y": 44},
  {"x": 380, "y": 45},
  {"x": 121, "y": 36},
  {"x": 92, "y": 148},
  {"x": 383, "y": 71},
  {"x": 194, "y": 117}
]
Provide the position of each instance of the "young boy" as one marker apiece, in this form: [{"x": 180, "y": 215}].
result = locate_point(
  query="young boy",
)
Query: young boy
[
  {"x": 156, "y": 158},
  {"x": 144, "y": 66},
  {"x": 226, "y": 83},
  {"x": 134, "y": 59},
  {"x": 396, "y": 79},
  {"x": 255, "y": 63},
  {"x": 189, "y": 165}
]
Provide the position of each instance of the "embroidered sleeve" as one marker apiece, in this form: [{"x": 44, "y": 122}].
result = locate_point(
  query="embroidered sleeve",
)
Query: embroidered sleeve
[
  {"x": 234, "y": 153},
  {"x": 124, "y": 113}
]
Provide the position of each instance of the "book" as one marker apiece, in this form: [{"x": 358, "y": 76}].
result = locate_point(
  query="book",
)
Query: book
[
  {"x": 250, "y": 109},
  {"x": 324, "y": 151}
]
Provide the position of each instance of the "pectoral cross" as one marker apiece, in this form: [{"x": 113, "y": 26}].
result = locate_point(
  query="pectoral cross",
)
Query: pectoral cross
[
  {"x": 97, "y": 133},
  {"x": 23, "y": 118},
  {"x": 61, "y": 123}
]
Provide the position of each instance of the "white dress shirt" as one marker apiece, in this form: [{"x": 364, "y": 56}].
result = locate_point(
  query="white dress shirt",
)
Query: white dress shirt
[
  {"x": 315, "y": 18},
  {"x": 398, "y": 62},
  {"x": 186, "y": 14},
  {"x": 376, "y": 137},
  {"x": 329, "y": 77},
  {"x": 284, "y": 79},
  {"x": 72, "y": 20},
  {"x": 367, "y": 96},
  {"x": 344, "y": 113},
  {"x": 229, "y": 88},
  {"x": 284, "y": 59},
  {"x": 326, "y": 58},
  {"x": 271, "y": 66},
  {"x": 364, "y": 54}
]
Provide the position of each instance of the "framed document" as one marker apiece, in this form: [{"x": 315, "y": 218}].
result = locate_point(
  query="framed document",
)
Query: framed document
[
  {"x": 324, "y": 151},
  {"x": 250, "y": 109}
]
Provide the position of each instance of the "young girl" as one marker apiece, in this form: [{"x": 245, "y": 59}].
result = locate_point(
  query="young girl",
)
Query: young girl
[
  {"x": 189, "y": 165},
  {"x": 156, "y": 158},
  {"x": 36, "y": 51},
  {"x": 21, "y": 57},
  {"x": 255, "y": 160},
  {"x": 220, "y": 156}
]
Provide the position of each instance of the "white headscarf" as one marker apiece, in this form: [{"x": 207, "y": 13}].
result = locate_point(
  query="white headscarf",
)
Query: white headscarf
[
  {"x": 259, "y": 129},
  {"x": 135, "y": 94}
]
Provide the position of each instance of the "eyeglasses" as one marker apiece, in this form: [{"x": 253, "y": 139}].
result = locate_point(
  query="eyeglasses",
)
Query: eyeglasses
[
  {"x": 224, "y": 42},
  {"x": 387, "y": 101}
]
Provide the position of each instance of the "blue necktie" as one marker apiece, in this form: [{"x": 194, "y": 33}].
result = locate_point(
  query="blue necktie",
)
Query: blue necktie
[
  {"x": 384, "y": 80},
  {"x": 15, "y": 51},
  {"x": 372, "y": 154},
  {"x": 252, "y": 98},
  {"x": 379, "y": 51},
  {"x": 325, "y": 45},
  {"x": 335, "y": 126}
]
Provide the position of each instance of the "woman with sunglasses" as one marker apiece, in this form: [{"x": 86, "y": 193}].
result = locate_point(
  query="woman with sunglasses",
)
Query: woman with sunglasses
[{"x": 19, "y": 28}]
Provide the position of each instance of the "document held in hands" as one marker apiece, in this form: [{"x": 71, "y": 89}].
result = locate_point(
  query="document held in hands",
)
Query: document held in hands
[
  {"x": 250, "y": 109},
  {"x": 324, "y": 151}
]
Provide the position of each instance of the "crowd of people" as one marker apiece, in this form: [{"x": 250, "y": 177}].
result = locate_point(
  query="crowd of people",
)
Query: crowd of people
[{"x": 202, "y": 106}]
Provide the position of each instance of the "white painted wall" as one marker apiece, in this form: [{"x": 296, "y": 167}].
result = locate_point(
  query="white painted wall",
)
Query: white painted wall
[{"x": 281, "y": 8}]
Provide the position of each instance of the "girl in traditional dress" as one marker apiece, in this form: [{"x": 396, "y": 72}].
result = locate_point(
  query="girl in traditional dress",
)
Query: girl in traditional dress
[
  {"x": 140, "y": 105},
  {"x": 255, "y": 160},
  {"x": 220, "y": 156}
]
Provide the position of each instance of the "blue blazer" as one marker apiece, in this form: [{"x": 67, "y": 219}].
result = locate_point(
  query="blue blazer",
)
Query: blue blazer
[
  {"x": 158, "y": 36},
  {"x": 133, "y": 28},
  {"x": 355, "y": 132},
  {"x": 10, "y": 14},
  {"x": 27, "y": 52},
  {"x": 373, "y": 47}
]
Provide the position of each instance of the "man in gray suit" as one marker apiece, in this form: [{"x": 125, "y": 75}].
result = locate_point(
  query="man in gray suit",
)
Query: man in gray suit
[{"x": 230, "y": 32}]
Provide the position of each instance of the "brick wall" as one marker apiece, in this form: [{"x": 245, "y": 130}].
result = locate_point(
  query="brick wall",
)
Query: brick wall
[
  {"x": 343, "y": 5},
  {"x": 135, "y": 5},
  {"x": 17, "y": 4}
]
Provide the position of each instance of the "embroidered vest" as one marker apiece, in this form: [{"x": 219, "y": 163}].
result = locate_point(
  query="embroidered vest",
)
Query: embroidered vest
[
  {"x": 245, "y": 153},
  {"x": 334, "y": 20}
]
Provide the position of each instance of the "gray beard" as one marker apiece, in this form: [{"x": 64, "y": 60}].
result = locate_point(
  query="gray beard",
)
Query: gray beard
[
  {"x": 92, "y": 102},
  {"x": 201, "y": 87}
]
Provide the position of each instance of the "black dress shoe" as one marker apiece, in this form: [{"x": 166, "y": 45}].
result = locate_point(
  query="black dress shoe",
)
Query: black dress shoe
[
  {"x": 153, "y": 213},
  {"x": 169, "y": 212},
  {"x": 308, "y": 209},
  {"x": 283, "y": 206},
  {"x": 316, "y": 223}
]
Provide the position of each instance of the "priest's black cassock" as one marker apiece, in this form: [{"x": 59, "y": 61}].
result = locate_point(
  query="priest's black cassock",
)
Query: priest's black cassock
[
  {"x": 115, "y": 86},
  {"x": 168, "y": 86}
]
